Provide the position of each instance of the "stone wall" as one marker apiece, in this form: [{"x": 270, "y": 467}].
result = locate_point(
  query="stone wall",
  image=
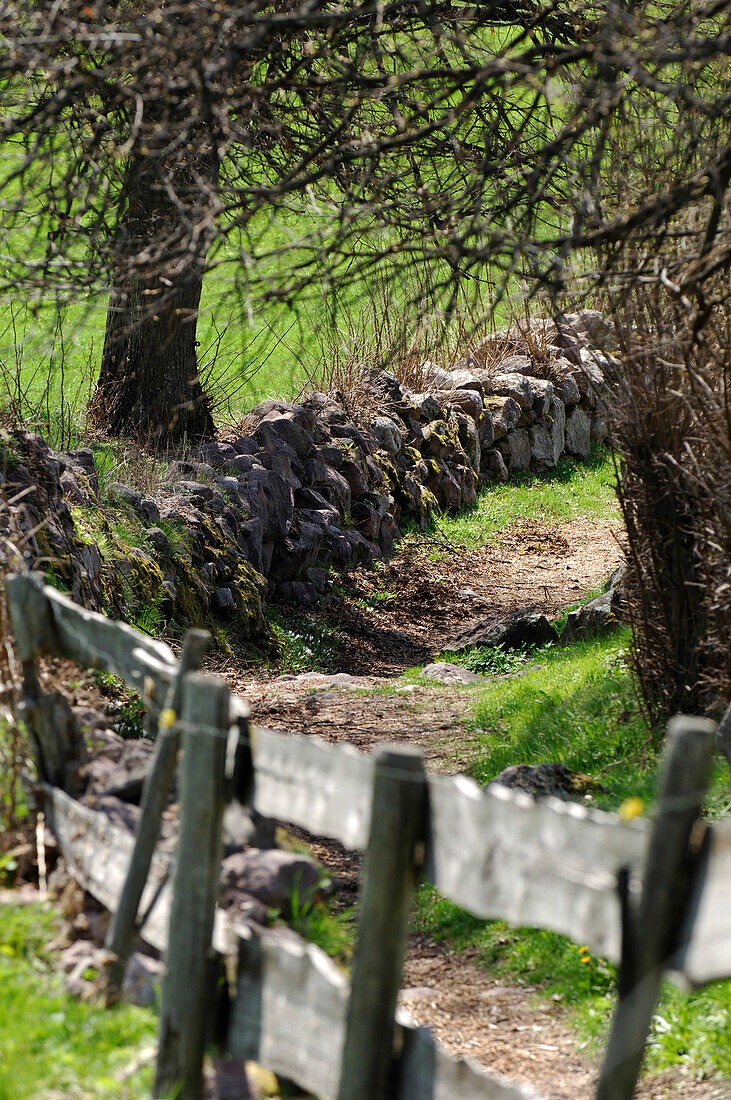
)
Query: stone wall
[{"x": 309, "y": 485}]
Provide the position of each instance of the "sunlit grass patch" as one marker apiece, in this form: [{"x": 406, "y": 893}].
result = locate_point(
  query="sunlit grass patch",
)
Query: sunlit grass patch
[
  {"x": 53, "y": 1044},
  {"x": 573, "y": 489}
]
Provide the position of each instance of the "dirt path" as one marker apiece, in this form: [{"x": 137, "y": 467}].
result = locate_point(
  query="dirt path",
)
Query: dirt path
[{"x": 404, "y": 614}]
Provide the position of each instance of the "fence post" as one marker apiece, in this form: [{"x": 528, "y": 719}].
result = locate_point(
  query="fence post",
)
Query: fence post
[
  {"x": 655, "y": 924},
  {"x": 123, "y": 925},
  {"x": 183, "y": 1014},
  {"x": 398, "y": 825}
]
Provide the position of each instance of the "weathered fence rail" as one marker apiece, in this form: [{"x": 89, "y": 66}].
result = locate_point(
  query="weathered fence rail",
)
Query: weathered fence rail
[{"x": 498, "y": 854}]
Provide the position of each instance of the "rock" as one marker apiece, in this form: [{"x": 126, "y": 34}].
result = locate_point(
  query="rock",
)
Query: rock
[
  {"x": 271, "y": 499},
  {"x": 592, "y": 328},
  {"x": 335, "y": 489},
  {"x": 354, "y": 470},
  {"x": 275, "y": 429},
  {"x": 445, "y": 487},
  {"x": 159, "y": 541},
  {"x": 542, "y": 393},
  {"x": 215, "y": 454},
  {"x": 547, "y": 437},
  {"x": 493, "y": 467},
  {"x": 388, "y": 434},
  {"x": 467, "y": 401},
  {"x": 142, "y": 982},
  {"x": 299, "y": 549},
  {"x": 123, "y": 492},
  {"x": 275, "y": 878},
  {"x": 564, "y": 381},
  {"x": 434, "y": 375},
  {"x": 241, "y": 464},
  {"x": 516, "y": 386},
  {"x": 223, "y": 601},
  {"x": 310, "y": 498},
  {"x": 445, "y": 672},
  {"x": 244, "y": 446},
  {"x": 578, "y": 433},
  {"x": 462, "y": 379},
  {"x": 516, "y": 364},
  {"x": 517, "y": 631},
  {"x": 516, "y": 450},
  {"x": 469, "y": 439},
  {"x": 427, "y": 407},
  {"x": 72, "y": 491},
  {"x": 504, "y": 413},
  {"x": 542, "y": 780},
  {"x": 599, "y": 427},
  {"x": 594, "y": 617},
  {"x": 299, "y": 593}
]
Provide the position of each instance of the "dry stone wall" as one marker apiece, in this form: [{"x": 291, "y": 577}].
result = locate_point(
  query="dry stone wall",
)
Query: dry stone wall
[{"x": 309, "y": 485}]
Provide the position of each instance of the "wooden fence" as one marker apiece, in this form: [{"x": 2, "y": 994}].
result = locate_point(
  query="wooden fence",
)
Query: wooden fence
[{"x": 651, "y": 898}]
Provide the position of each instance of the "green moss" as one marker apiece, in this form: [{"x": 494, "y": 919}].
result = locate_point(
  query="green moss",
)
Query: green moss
[
  {"x": 9, "y": 459},
  {"x": 247, "y": 585}
]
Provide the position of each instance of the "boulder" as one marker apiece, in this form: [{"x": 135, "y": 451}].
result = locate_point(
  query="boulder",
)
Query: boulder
[
  {"x": 544, "y": 780},
  {"x": 446, "y": 672},
  {"x": 516, "y": 386},
  {"x": 276, "y": 878},
  {"x": 518, "y": 631},
  {"x": 504, "y": 413},
  {"x": 597, "y": 616},
  {"x": 493, "y": 467},
  {"x": 516, "y": 450},
  {"x": 578, "y": 432},
  {"x": 427, "y": 407},
  {"x": 388, "y": 434}
]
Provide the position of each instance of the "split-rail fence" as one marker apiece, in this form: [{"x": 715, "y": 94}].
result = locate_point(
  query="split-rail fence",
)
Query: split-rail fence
[{"x": 652, "y": 897}]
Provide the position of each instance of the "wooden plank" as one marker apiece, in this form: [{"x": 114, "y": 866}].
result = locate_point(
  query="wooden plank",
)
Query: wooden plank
[
  {"x": 653, "y": 925},
  {"x": 122, "y": 927},
  {"x": 185, "y": 991},
  {"x": 428, "y": 1073},
  {"x": 398, "y": 825},
  {"x": 98, "y": 853},
  {"x": 706, "y": 938},
  {"x": 90, "y": 639},
  {"x": 289, "y": 1012},
  {"x": 547, "y": 864},
  {"x": 326, "y": 789}
]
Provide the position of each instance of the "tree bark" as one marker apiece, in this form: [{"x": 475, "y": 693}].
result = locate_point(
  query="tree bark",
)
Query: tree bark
[{"x": 148, "y": 383}]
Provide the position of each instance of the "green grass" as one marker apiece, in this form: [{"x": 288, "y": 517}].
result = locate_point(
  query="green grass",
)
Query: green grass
[
  {"x": 580, "y": 709},
  {"x": 304, "y": 644},
  {"x": 571, "y": 490},
  {"x": 52, "y": 1044}
]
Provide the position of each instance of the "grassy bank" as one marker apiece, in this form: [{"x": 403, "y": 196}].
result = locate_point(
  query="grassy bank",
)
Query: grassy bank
[{"x": 53, "y": 1045}]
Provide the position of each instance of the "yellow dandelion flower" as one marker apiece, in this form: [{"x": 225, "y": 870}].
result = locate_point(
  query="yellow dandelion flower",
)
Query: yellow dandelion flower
[
  {"x": 167, "y": 718},
  {"x": 631, "y": 807}
]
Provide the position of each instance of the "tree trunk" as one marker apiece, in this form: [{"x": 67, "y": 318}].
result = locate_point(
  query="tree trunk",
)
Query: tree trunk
[{"x": 148, "y": 384}]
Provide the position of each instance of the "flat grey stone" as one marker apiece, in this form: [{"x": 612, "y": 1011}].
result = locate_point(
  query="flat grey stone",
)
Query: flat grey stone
[{"x": 445, "y": 672}]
